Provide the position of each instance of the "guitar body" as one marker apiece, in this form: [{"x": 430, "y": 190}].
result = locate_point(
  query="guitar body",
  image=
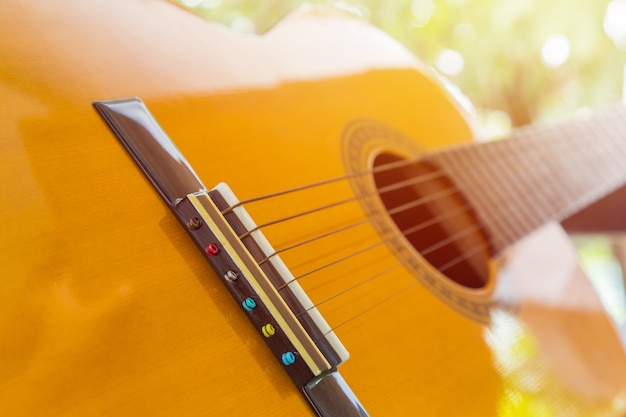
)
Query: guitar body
[{"x": 107, "y": 307}]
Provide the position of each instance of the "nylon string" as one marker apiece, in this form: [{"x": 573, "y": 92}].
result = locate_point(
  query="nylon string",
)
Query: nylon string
[{"x": 399, "y": 209}]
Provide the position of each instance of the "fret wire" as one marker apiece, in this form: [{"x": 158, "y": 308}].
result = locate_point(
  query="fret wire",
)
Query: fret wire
[
  {"x": 542, "y": 204},
  {"x": 527, "y": 170},
  {"x": 505, "y": 208},
  {"x": 489, "y": 156},
  {"x": 460, "y": 171},
  {"x": 614, "y": 126},
  {"x": 538, "y": 170},
  {"x": 531, "y": 162},
  {"x": 563, "y": 193},
  {"x": 536, "y": 204},
  {"x": 465, "y": 164}
]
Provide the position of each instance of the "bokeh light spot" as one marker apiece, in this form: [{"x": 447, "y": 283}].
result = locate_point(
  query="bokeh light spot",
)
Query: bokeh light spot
[
  {"x": 555, "y": 51},
  {"x": 615, "y": 22},
  {"x": 243, "y": 24},
  {"x": 450, "y": 62},
  {"x": 423, "y": 11},
  {"x": 192, "y": 3},
  {"x": 211, "y": 4}
]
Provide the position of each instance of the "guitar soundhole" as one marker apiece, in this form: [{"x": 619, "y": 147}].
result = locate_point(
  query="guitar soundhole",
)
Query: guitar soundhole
[{"x": 435, "y": 219}]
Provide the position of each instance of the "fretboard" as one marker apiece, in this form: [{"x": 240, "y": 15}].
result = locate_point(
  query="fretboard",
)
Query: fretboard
[{"x": 539, "y": 173}]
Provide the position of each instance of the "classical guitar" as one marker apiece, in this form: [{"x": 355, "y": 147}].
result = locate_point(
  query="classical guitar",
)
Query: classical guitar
[{"x": 205, "y": 223}]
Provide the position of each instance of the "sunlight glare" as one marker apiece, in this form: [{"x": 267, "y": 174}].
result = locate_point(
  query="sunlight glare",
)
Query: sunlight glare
[
  {"x": 243, "y": 24},
  {"x": 423, "y": 11},
  {"x": 360, "y": 10},
  {"x": 192, "y": 3},
  {"x": 211, "y": 4},
  {"x": 450, "y": 62},
  {"x": 571, "y": 92},
  {"x": 624, "y": 87},
  {"x": 498, "y": 124},
  {"x": 555, "y": 51},
  {"x": 464, "y": 32},
  {"x": 615, "y": 23}
]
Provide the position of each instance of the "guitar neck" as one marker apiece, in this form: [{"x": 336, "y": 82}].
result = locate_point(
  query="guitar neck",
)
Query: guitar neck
[{"x": 539, "y": 173}]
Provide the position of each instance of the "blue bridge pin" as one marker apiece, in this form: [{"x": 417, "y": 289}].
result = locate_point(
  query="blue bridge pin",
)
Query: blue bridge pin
[
  {"x": 288, "y": 358},
  {"x": 249, "y": 304}
]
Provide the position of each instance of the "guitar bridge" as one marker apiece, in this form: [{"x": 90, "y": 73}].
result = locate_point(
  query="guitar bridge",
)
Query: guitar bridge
[
  {"x": 292, "y": 341},
  {"x": 241, "y": 256}
]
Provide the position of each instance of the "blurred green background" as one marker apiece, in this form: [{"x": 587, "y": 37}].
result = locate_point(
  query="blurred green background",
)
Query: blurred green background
[{"x": 518, "y": 61}]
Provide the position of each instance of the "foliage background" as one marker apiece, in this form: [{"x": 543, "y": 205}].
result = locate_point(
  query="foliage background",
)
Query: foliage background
[{"x": 500, "y": 44}]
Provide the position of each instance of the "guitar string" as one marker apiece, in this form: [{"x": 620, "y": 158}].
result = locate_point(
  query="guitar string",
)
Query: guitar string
[
  {"x": 382, "y": 190},
  {"x": 465, "y": 208},
  {"x": 397, "y": 265},
  {"x": 438, "y": 245},
  {"x": 380, "y": 274},
  {"x": 316, "y": 238},
  {"x": 460, "y": 258},
  {"x": 353, "y": 287},
  {"x": 334, "y": 262},
  {"x": 381, "y": 168},
  {"x": 413, "y": 229},
  {"x": 522, "y": 132},
  {"x": 478, "y": 248},
  {"x": 388, "y": 188},
  {"x": 443, "y": 268},
  {"x": 367, "y": 310},
  {"x": 407, "y": 232},
  {"x": 450, "y": 239},
  {"x": 413, "y": 204},
  {"x": 395, "y": 210}
]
